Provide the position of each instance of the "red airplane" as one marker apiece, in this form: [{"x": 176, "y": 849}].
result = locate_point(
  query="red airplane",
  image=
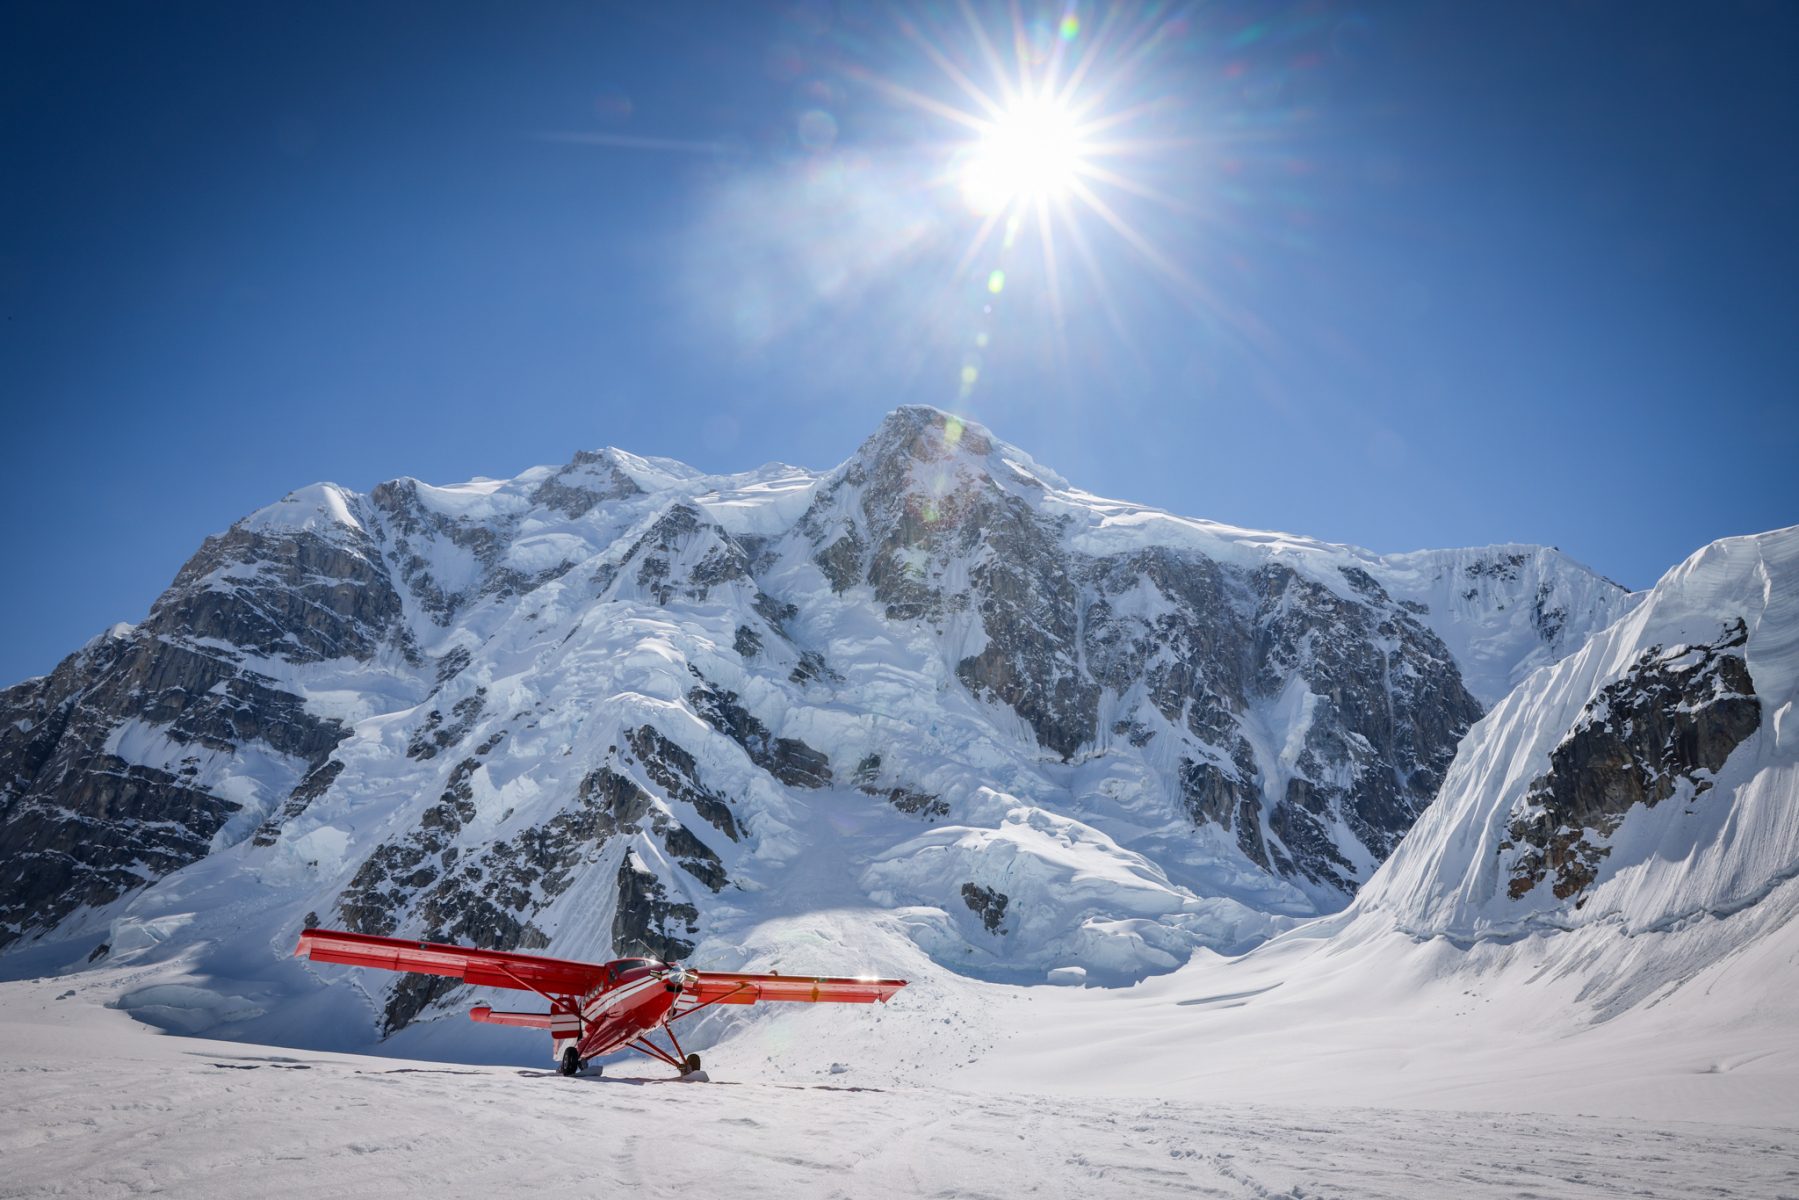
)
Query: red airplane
[{"x": 595, "y": 1008}]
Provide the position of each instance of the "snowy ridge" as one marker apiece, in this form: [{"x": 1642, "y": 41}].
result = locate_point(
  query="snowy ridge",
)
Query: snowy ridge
[
  {"x": 1726, "y": 835},
  {"x": 1505, "y": 611}
]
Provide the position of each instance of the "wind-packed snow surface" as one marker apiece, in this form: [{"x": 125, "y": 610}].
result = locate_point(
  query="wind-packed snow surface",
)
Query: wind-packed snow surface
[{"x": 1408, "y": 1090}]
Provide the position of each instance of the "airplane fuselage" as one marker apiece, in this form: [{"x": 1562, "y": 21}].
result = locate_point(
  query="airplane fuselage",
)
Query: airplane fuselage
[{"x": 635, "y": 998}]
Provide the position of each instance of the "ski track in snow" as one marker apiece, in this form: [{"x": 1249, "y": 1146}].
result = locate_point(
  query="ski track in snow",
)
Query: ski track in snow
[{"x": 94, "y": 1105}]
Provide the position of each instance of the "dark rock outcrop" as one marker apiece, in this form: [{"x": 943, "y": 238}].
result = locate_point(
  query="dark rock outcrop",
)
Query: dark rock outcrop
[
  {"x": 315, "y": 785},
  {"x": 413, "y": 531},
  {"x": 790, "y": 760},
  {"x": 867, "y": 779},
  {"x": 108, "y": 765},
  {"x": 673, "y": 770},
  {"x": 1672, "y": 720},
  {"x": 986, "y": 904},
  {"x": 648, "y": 923},
  {"x": 590, "y": 479},
  {"x": 678, "y": 533},
  {"x": 437, "y": 732}
]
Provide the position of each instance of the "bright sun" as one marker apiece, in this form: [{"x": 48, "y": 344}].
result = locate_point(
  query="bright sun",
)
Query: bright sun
[
  {"x": 1031, "y": 153},
  {"x": 1059, "y": 131}
]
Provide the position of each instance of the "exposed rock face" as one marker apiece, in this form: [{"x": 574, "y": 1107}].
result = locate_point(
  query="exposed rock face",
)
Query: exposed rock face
[
  {"x": 421, "y": 540},
  {"x": 437, "y": 732},
  {"x": 673, "y": 770},
  {"x": 591, "y": 478},
  {"x": 986, "y": 904},
  {"x": 294, "y": 807},
  {"x": 597, "y": 708},
  {"x": 921, "y": 507},
  {"x": 1182, "y": 644},
  {"x": 648, "y": 923},
  {"x": 1666, "y": 726},
  {"x": 296, "y": 596},
  {"x": 133, "y": 757},
  {"x": 1380, "y": 704},
  {"x": 914, "y": 803},
  {"x": 788, "y": 759},
  {"x": 718, "y": 559},
  {"x": 457, "y": 889}
]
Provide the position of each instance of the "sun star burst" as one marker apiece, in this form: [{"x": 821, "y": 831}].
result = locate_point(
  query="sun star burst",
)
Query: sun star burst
[
  {"x": 1032, "y": 152},
  {"x": 1056, "y": 124}
]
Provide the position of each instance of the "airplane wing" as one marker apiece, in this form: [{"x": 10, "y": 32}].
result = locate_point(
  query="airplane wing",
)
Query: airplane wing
[
  {"x": 483, "y": 968},
  {"x": 717, "y": 987}
]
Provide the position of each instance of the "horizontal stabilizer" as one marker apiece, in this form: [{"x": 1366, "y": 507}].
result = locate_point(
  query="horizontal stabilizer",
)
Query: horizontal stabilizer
[{"x": 484, "y": 1015}]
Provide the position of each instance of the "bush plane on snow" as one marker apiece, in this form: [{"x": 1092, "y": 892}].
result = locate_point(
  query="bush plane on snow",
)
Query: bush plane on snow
[{"x": 595, "y": 1008}]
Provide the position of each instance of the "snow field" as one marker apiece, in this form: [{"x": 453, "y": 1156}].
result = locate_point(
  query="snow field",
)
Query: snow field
[{"x": 96, "y": 1106}]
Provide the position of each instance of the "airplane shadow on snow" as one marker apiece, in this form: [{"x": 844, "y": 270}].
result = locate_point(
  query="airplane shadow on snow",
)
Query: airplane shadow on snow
[
  {"x": 252, "y": 1062},
  {"x": 650, "y": 1080}
]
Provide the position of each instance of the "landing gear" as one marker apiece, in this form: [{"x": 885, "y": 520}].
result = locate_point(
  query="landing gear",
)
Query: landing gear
[
  {"x": 571, "y": 1063},
  {"x": 680, "y": 1060}
]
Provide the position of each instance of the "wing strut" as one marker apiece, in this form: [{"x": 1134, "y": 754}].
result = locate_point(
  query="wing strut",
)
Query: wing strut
[
  {"x": 680, "y": 1060},
  {"x": 527, "y": 987},
  {"x": 725, "y": 998}
]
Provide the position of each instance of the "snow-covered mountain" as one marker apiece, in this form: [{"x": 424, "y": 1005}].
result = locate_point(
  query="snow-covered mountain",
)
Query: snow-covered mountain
[
  {"x": 621, "y": 705},
  {"x": 1645, "y": 785},
  {"x": 1597, "y": 911}
]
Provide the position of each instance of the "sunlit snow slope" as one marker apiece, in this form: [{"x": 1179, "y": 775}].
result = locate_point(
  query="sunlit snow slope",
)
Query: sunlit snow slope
[{"x": 1645, "y": 786}]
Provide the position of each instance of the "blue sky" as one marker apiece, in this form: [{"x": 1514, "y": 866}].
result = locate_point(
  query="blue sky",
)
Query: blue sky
[{"x": 1401, "y": 275}]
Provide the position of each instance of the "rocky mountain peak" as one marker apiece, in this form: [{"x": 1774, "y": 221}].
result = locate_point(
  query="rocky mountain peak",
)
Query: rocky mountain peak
[
  {"x": 926, "y": 451},
  {"x": 591, "y": 478},
  {"x": 923, "y": 433}
]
